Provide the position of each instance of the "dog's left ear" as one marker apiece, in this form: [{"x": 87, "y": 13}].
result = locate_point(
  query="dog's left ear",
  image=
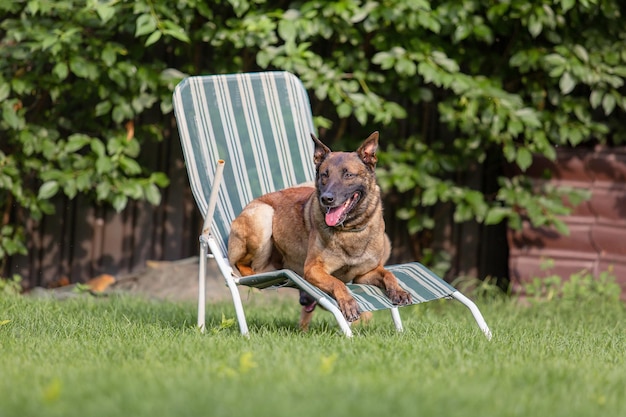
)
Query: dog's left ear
[
  {"x": 321, "y": 151},
  {"x": 367, "y": 151}
]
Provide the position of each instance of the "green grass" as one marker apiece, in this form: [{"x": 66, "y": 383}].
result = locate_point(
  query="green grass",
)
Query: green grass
[{"x": 123, "y": 356}]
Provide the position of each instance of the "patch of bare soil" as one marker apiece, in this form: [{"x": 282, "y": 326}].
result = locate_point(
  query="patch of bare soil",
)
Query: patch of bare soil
[
  {"x": 168, "y": 280},
  {"x": 178, "y": 281}
]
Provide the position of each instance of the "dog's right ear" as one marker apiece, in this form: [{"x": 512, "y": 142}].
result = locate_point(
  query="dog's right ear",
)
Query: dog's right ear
[{"x": 321, "y": 151}]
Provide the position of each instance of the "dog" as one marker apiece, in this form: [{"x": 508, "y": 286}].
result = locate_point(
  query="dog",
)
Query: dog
[{"x": 331, "y": 233}]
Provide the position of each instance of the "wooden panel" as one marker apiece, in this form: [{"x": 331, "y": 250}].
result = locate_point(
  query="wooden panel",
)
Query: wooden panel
[
  {"x": 143, "y": 234},
  {"x": 596, "y": 228},
  {"x": 24, "y": 265},
  {"x": 174, "y": 213},
  {"x": 524, "y": 268},
  {"x": 608, "y": 202},
  {"x": 82, "y": 241}
]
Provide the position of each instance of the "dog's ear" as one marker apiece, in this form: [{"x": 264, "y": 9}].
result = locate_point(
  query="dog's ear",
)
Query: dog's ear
[
  {"x": 321, "y": 151},
  {"x": 367, "y": 151}
]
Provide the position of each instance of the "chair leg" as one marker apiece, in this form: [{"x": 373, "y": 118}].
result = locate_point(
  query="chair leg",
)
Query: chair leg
[
  {"x": 475, "y": 312},
  {"x": 226, "y": 271},
  {"x": 202, "y": 286},
  {"x": 397, "y": 321},
  {"x": 341, "y": 320},
  {"x": 232, "y": 286},
  {"x": 241, "y": 317}
]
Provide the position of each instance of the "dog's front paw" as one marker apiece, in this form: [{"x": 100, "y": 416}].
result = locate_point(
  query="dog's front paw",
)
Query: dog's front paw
[
  {"x": 350, "y": 309},
  {"x": 399, "y": 297}
]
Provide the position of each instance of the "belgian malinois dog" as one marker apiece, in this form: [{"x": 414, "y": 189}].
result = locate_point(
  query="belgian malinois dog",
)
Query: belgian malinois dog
[{"x": 331, "y": 234}]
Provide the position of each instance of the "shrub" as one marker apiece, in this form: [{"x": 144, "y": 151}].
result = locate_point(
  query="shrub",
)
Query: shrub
[
  {"x": 452, "y": 85},
  {"x": 78, "y": 91},
  {"x": 581, "y": 286}
]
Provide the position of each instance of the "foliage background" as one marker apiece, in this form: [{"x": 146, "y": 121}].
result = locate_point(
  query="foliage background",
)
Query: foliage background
[{"x": 453, "y": 86}]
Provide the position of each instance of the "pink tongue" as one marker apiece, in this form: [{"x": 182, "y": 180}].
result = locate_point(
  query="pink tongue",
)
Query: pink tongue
[{"x": 334, "y": 215}]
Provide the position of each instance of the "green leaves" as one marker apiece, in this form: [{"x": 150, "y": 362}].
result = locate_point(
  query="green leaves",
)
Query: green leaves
[
  {"x": 106, "y": 11},
  {"x": 12, "y": 114},
  {"x": 524, "y": 158},
  {"x": 146, "y": 23},
  {"x": 83, "y": 68},
  {"x": 540, "y": 93},
  {"x": 70, "y": 93},
  {"x": 47, "y": 190},
  {"x": 11, "y": 241},
  {"x": 150, "y": 24},
  {"x": 453, "y": 86},
  {"x": 567, "y": 83}
]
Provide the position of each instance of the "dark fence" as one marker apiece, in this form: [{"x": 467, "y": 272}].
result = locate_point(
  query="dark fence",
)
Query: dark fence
[{"x": 82, "y": 240}]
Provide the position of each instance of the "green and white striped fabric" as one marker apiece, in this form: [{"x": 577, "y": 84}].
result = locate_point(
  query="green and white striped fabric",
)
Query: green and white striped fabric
[
  {"x": 413, "y": 277},
  {"x": 260, "y": 124}
]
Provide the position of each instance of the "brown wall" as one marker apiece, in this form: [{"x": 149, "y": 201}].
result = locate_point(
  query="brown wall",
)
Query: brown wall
[{"x": 597, "y": 227}]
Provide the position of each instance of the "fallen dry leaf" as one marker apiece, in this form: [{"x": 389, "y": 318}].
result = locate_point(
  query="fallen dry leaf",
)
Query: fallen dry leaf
[{"x": 100, "y": 283}]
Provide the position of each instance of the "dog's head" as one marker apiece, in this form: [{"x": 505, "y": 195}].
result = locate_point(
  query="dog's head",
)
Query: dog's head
[{"x": 344, "y": 179}]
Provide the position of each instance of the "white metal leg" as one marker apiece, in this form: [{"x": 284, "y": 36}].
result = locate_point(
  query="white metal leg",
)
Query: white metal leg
[
  {"x": 475, "y": 312},
  {"x": 341, "y": 320},
  {"x": 241, "y": 317},
  {"x": 397, "y": 321},
  {"x": 227, "y": 272},
  {"x": 202, "y": 286},
  {"x": 219, "y": 169}
]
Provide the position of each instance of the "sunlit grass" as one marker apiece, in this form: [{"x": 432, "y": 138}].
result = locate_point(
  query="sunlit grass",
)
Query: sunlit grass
[{"x": 123, "y": 356}]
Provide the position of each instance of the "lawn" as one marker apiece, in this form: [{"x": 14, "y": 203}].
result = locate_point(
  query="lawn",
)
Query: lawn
[{"x": 126, "y": 356}]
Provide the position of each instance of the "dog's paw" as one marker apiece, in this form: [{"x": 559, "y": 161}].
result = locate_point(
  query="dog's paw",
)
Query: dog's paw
[
  {"x": 350, "y": 309},
  {"x": 305, "y": 319},
  {"x": 364, "y": 319},
  {"x": 399, "y": 297}
]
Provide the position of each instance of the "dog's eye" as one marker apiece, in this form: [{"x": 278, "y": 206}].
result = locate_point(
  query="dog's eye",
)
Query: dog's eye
[{"x": 348, "y": 174}]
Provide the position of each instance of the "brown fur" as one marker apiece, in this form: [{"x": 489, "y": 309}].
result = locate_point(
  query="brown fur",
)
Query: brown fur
[{"x": 289, "y": 229}]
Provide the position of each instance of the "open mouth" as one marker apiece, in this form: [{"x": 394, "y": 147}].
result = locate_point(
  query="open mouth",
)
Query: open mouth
[{"x": 337, "y": 215}]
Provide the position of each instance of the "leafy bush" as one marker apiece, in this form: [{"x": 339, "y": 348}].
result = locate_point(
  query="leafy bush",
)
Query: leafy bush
[
  {"x": 78, "y": 93},
  {"x": 452, "y": 85},
  {"x": 581, "y": 286},
  {"x": 507, "y": 79},
  {"x": 455, "y": 85},
  {"x": 10, "y": 286}
]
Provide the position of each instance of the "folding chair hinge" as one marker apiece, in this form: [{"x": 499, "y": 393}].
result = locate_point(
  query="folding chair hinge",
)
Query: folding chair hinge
[{"x": 204, "y": 243}]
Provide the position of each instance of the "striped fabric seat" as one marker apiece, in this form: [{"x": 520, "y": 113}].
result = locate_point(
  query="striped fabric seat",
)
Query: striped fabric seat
[
  {"x": 259, "y": 123},
  {"x": 415, "y": 278},
  {"x": 244, "y": 135}
]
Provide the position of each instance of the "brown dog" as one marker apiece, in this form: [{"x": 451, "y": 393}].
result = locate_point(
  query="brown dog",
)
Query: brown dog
[{"x": 330, "y": 234}]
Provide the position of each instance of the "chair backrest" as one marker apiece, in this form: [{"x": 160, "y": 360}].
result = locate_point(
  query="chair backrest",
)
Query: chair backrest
[{"x": 260, "y": 124}]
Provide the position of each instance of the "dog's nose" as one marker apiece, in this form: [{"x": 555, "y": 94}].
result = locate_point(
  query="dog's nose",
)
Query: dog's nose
[{"x": 327, "y": 199}]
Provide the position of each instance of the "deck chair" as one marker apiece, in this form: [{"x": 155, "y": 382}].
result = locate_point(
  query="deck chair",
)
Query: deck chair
[{"x": 244, "y": 135}]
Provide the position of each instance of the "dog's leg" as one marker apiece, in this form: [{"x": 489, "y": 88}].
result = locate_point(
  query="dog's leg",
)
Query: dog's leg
[
  {"x": 250, "y": 243},
  {"x": 305, "y": 319},
  {"x": 364, "y": 319},
  {"x": 385, "y": 280},
  {"x": 308, "y": 304},
  {"x": 317, "y": 275}
]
